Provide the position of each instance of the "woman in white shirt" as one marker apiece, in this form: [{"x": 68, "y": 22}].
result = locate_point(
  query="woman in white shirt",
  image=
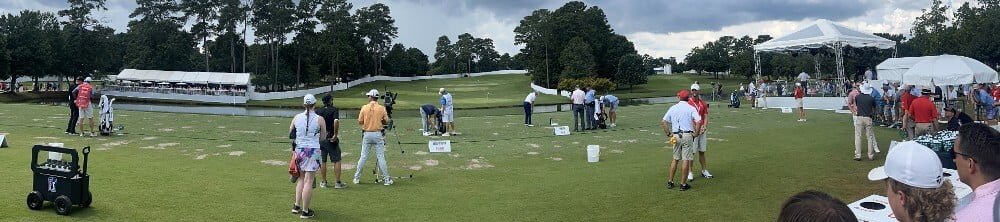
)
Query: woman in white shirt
[{"x": 307, "y": 130}]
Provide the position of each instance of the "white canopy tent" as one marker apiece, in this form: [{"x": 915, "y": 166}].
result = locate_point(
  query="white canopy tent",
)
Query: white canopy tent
[
  {"x": 240, "y": 79},
  {"x": 822, "y": 34},
  {"x": 939, "y": 70}
]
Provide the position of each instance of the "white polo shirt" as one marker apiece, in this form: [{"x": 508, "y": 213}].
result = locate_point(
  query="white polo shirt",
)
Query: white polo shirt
[
  {"x": 530, "y": 98},
  {"x": 803, "y": 77},
  {"x": 681, "y": 117}
]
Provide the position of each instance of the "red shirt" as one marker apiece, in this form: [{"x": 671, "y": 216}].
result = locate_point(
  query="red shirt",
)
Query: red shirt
[
  {"x": 83, "y": 96},
  {"x": 702, "y": 108},
  {"x": 922, "y": 110},
  {"x": 799, "y": 93},
  {"x": 996, "y": 93},
  {"x": 906, "y": 99}
]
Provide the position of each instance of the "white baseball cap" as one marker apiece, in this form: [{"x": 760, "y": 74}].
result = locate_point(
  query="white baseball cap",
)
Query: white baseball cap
[
  {"x": 798, "y": 84},
  {"x": 441, "y": 90},
  {"x": 695, "y": 87},
  {"x": 912, "y": 164},
  {"x": 866, "y": 88},
  {"x": 309, "y": 99},
  {"x": 372, "y": 93},
  {"x": 87, "y": 79}
]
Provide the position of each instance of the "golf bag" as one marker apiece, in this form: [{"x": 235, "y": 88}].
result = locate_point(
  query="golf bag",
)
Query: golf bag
[
  {"x": 107, "y": 116},
  {"x": 734, "y": 100},
  {"x": 440, "y": 125},
  {"x": 602, "y": 121}
]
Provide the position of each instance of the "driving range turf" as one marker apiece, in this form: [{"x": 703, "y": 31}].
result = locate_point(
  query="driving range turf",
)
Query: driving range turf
[{"x": 187, "y": 167}]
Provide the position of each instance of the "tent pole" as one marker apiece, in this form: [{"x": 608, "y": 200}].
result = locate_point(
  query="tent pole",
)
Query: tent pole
[
  {"x": 756, "y": 64},
  {"x": 840, "y": 65}
]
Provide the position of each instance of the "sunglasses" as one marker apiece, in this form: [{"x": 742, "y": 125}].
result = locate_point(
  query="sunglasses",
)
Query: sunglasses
[{"x": 955, "y": 154}]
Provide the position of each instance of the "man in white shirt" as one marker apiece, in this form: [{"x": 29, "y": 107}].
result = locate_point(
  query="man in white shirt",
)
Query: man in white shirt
[
  {"x": 579, "y": 120},
  {"x": 869, "y": 75},
  {"x": 752, "y": 94},
  {"x": 529, "y": 107},
  {"x": 680, "y": 124},
  {"x": 804, "y": 79},
  {"x": 447, "y": 112}
]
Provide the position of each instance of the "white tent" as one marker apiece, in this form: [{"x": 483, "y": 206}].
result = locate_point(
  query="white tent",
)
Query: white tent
[
  {"x": 822, "y": 34},
  {"x": 185, "y": 77},
  {"x": 938, "y": 70}
]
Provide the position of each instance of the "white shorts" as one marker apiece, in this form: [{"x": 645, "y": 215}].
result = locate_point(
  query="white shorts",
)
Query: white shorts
[
  {"x": 448, "y": 116},
  {"x": 700, "y": 143},
  {"x": 798, "y": 103},
  {"x": 87, "y": 112}
]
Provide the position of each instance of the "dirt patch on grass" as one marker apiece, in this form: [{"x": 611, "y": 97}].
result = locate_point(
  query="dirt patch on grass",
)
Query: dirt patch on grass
[
  {"x": 46, "y": 138},
  {"x": 555, "y": 158},
  {"x": 415, "y": 167},
  {"x": 221, "y": 127},
  {"x": 731, "y": 127},
  {"x": 532, "y": 153},
  {"x": 617, "y": 151},
  {"x": 717, "y": 139},
  {"x": 152, "y": 147},
  {"x": 166, "y": 130},
  {"x": 275, "y": 162},
  {"x": 431, "y": 162},
  {"x": 165, "y": 145},
  {"x": 201, "y": 157},
  {"x": 150, "y": 138},
  {"x": 187, "y": 127},
  {"x": 532, "y": 145},
  {"x": 237, "y": 153},
  {"x": 421, "y": 153},
  {"x": 248, "y": 131},
  {"x": 348, "y": 166},
  {"x": 224, "y": 146}
]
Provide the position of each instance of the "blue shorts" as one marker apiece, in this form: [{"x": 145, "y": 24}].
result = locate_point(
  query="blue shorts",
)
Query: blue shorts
[{"x": 991, "y": 112}]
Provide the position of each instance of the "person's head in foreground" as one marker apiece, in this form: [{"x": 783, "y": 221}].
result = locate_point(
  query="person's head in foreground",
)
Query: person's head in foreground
[
  {"x": 309, "y": 101},
  {"x": 373, "y": 94},
  {"x": 683, "y": 95},
  {"x": 915, "y": 184},
  {"x": 815, "y": 206},
  {"x": 977, "y": 154}
]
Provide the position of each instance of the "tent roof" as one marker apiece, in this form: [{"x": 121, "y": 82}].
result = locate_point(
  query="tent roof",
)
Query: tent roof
[
  {"x": 824, "y": 33},
  {"x": 185, "y": 77}
]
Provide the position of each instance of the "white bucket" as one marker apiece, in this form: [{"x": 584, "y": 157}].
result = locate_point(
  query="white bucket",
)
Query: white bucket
[
  {"x": 54, "y": 155},
  {"x": 593, "y": 153}
]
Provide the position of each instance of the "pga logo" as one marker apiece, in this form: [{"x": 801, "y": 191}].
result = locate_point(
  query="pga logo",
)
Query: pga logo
[{"x": 52, "y": 184}]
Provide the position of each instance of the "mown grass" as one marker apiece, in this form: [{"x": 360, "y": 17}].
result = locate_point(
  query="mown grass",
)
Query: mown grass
[{"x": 179, "y": 167}]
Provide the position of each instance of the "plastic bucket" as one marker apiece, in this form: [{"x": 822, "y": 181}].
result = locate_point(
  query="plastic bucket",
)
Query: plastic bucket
[{"x": 593, "y": 153}]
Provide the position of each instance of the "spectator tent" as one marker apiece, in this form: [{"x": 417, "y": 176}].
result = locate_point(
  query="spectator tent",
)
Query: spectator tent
[{"x": 204, "y": 78}]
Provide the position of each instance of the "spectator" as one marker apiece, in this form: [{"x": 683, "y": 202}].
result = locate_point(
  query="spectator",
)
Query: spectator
[
  {"x": 700, "y": 142},
  {"x": 924, "y": 113},
  {"x": 987, "y": 102},
  {"x": 529, "y": 108},
  {"x": 588, "y": 101},
  {"x": 905, "y": 98},
  {"x": 577, "y": 98},
  {"x": 865, "y": 107},
  {"x": 915, "y": 184},
  {"x": 956, "y": 118},
  {"x": 815, "y": 206},
  {"x": 308, "y": 128},
  {"x": 977, "y": 157},
  {"x": 330, "y": 145},
  {"x": 804, "y": 79}
]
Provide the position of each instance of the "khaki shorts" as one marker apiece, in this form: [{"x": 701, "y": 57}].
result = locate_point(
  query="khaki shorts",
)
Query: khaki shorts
[
  {"x": 87, "y": 112},
  {"x": 683, "y": 149},
  {"x": 700, "y": 144},
  {"x": 798, "y": 103}
]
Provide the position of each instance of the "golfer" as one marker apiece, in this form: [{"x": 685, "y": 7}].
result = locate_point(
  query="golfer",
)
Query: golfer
[
  {"x": 447, "y": 112},
  {"x": 680, "y": 124},
  {"x": 579, "y": 118},
  {"x": 800, "y": 95},
  {"x": 74, "y": 112},
  {"x": 308, "y": 130},
  {"x": 83, "y": 93},
  {"x": 428, "y": 119},
  {"x": 372, "y": 120},
  {"x": 330, "y": 146},
  {"x": 700, "y": 143},
  {"x": 611, "y": 101},
  {"x": 529, "y": 107}
]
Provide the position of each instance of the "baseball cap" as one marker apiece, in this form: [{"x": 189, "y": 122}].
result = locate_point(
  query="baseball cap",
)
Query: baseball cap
[
  {"x": 87, "y": 79},
  {"x": 695, "y": 87},
  {"x": 912, "y": 164},
  {"x": 372, "y": 93},
  {"x": 683, "y": 94},
  {"x": 441, "y": 90},
  {"x": 866, "y": 88},
  {"x": 309, "y": 99},
  {"x": 798, "y": 84}
]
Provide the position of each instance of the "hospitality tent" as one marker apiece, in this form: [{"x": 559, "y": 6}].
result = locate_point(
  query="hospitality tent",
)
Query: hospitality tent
[
  {"x": 822, "y": 34},
  {"x": 936, "y": 70},
  {"x": 239, "y": 79}
]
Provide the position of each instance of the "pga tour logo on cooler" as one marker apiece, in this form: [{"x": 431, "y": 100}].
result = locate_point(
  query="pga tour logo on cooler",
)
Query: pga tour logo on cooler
[{"x": 52, "y": 184}]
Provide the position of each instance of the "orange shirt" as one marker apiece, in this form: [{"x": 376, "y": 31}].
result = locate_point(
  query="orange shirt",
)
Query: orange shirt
[
  {"x": 922, "y": 110},
  {"x": 371, "y": 117}
]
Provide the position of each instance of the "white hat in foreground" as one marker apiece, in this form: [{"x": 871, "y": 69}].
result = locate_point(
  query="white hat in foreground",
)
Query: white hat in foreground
[
  {"x": 912, "y": 164},
  {"x": 372, "y": 93},
  {"x": 695, "y": 87},
  {"x": 309, "y": 99}
]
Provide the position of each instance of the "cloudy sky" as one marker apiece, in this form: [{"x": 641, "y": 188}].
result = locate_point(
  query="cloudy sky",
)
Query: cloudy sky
[{"x": 657, "y": 27}]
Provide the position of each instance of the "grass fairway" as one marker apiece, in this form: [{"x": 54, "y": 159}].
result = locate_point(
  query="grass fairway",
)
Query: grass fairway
[
  {"x": 185, "y": 167},
  {"x": 493, "y": 91}
]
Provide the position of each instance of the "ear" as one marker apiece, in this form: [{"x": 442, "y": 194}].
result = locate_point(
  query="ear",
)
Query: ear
[{"x": 902, "y": 198}]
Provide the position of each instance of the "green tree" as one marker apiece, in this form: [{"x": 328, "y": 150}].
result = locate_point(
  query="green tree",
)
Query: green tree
[
  {"x": 156, "y": 39},
  {"x": 272, "y": 21},
  {"x": 377, "y": 28},
  {"x": 631, "y": 71},
  {"x": 419, "y": 65},
  {"x": 205, "y": 13},
  {"x": 29, "y": 37},
  {"x": 444, "y": 56},
  {"x": 340, "y": 35},
  {"x": 577, "y": 60},
  {"x": 395, "y": 60}
]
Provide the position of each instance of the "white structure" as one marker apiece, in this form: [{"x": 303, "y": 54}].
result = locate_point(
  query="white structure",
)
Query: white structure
[
  {"x": 666, "y": 69},
  {"x": 939, "y": 70},
  {"x": 822, "y": 34},
  {"x": 173, "y": 85}
]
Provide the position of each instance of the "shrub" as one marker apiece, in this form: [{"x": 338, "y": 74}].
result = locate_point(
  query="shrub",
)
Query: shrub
[{"x": 599, "y": 84}]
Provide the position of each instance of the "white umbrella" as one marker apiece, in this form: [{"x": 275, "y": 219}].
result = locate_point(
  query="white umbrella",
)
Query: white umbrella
[{"x": 948, "y": 70}]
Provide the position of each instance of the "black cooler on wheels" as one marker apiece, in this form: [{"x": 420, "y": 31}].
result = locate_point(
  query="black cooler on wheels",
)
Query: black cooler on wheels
[{"x": 61, "y": 182}]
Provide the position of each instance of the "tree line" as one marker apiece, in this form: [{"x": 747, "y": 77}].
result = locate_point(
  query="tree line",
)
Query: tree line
[
  {"x": 968, "y": 33},
  {"x": 294, "y": 43}
]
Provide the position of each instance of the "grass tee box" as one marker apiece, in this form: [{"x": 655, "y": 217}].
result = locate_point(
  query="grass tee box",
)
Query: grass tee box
[{"x": 187, "y": 167}]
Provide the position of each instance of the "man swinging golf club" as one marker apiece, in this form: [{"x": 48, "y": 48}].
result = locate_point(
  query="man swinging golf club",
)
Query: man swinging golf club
[
  {"x": 681, "y": 125},
  {"x": 372, "y": 120}
]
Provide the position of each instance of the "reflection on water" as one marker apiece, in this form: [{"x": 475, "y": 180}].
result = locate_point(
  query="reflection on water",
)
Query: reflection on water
[{"x": 345, "y": 114}]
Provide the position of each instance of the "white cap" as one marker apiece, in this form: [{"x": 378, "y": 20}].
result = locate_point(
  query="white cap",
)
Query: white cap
[
  {"x": 372, "y": 93},
  {"x": 866, "y": 88},
  {"x": 309, "y": 99},
  {"x": 441, "y": 90},
  {"x": 695, "y": 87},
  {"x": 912, "y": 164},
  {"x": 87, "y": 79},
  {"x": 798, "y": 84}
]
